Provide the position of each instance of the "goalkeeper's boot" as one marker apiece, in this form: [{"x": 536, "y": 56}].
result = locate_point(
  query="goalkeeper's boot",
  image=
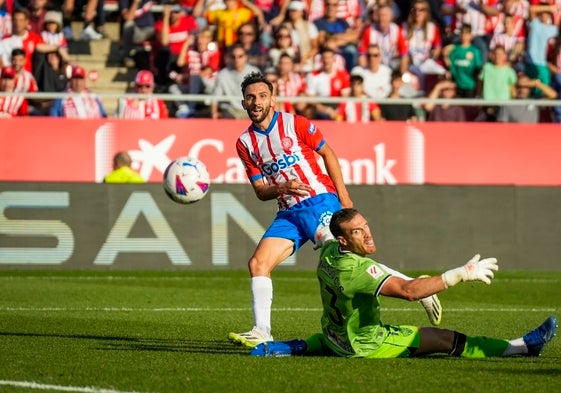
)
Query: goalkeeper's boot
[
  {"x": 433, "y": 308},
  {"x": 250, "y": 339},
  {"x": 537, "y": 338},
  {"x": 295, "y": 347}
]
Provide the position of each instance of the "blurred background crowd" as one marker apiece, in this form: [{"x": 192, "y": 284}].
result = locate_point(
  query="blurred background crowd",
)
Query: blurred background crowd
[{"x": 359, "y": 54}]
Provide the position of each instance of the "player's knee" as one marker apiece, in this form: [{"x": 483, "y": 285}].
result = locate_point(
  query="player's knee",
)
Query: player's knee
[{"x": 258, "y": 267}]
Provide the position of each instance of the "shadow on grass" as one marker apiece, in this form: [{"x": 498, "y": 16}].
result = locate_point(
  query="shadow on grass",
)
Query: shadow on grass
[{"x": 117, "y": 343}]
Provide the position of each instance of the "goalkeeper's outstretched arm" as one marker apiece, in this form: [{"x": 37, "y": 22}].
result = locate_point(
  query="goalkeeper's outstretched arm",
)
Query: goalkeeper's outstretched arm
[{"x": 475, "y": 269}]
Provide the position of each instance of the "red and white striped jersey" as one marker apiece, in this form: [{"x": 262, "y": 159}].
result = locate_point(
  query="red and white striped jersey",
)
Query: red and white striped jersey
[
  {"x": 13, "y": 106},
  {"x": 473, "y": 16},
  {"x": 314, "y": 9},
  {"x": 284, "y": 152},
  {"x": 293, "y": 86},
  {"x": 392, "y": 43},
  {"x": 339, "y": 62},
  {"x": 195, "y": 60},
  {"x": 84, "y": 106},
  {"x": 505, "y": 40},
  {"x": 519, "y": 9},
  {"x": 28, "y": 42},
  {"x": 25, "y": 83},
  {"x": 322, "y": 84},
  {"x": 350, "y": 10},
  {"x": 132, "y": 108},
  {"x": 57, "y": 39},
  {"x": 420, "y": 44},
  {"x": 357, "y": 112},
  {"x": 497, "y": 25}
]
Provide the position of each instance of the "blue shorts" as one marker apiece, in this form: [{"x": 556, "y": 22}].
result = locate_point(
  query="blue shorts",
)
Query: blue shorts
[{"x": 304, "y": 220}]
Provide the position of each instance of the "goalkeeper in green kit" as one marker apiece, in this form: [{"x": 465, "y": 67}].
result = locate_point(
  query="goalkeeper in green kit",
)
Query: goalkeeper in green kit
[{"x": 350, "y": 284}]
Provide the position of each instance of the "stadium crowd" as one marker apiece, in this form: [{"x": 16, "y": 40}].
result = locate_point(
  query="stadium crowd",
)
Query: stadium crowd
[{"x": 496, "y": 50}]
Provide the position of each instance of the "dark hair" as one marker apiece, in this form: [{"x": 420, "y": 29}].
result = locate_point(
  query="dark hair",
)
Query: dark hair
[
  {"x": 340, "y": 217},
  {"x": 234, "y": 46},
  {"x": 326, "y": 49},
  {"x": 18, "y": 52},
  {"x": 396, "y": 74},
  {"x": 255, "y": 77},
  {"x": 357, "y": 78}
]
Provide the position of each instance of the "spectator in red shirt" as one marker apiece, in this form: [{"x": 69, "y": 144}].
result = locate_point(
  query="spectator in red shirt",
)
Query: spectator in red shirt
[
  {"x": 175, "y": 28},
  {"x": 362, "y": 111},
  {"x": 199, "y": 64},
  {"x": 290, "y": 82},
  {"x": 10, "y": 105},
  {"x": 389, "y": 37},
  {"x": 328, "y": 82},
  {"x": 21, "y": 37}
]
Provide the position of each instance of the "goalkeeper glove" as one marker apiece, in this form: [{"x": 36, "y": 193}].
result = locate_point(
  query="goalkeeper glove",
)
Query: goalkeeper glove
[{"x": 474, "y": 270}]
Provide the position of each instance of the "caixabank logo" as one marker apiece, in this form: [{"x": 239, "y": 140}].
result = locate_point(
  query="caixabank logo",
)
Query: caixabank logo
[{"x": 385, "y": 157}]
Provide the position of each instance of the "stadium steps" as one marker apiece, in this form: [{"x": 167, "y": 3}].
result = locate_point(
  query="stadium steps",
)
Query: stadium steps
[{"x": 102, "y": 56}]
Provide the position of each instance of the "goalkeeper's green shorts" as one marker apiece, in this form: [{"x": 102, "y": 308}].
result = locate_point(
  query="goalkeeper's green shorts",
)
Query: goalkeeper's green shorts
[{"x": 400, "y": 342}]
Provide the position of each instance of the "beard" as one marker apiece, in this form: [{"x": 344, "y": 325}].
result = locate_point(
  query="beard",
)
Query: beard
[{"x": 258, "y": 117}]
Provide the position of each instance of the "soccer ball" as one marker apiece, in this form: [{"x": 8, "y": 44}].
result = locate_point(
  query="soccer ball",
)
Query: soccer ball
[{"x": 186, "y": 180}]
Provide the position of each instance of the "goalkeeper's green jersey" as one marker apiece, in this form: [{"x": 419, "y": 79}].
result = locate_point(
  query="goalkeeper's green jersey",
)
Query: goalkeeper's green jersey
[{"x": 349, "y": 286}]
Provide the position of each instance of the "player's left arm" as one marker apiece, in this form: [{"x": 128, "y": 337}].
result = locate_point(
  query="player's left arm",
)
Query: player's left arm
[
  {"x": 334, "y": 170},
  {"x": 411, "y": 290},
  {"x": 475, "y": 269}
]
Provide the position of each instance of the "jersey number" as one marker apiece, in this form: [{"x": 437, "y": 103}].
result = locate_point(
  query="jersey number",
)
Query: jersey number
[{"x": 335, "y": 314}]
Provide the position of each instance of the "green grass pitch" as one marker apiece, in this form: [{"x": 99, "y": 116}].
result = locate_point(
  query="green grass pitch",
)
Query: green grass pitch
[{"x": 112, "y": 332}]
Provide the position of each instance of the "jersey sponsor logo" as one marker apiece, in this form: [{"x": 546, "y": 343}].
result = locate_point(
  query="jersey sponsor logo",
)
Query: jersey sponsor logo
[
  {"x": 286, "y": 161},
  {"x": 375, "y": 272},
  {"x": 312, "y": 129}
]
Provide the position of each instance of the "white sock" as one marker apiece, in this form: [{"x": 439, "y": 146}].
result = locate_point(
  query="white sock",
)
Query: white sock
[
  {"x": 395, "y": 272},
  {"x": 516, "y": 347},
  {"x": 262, "y": 291}
]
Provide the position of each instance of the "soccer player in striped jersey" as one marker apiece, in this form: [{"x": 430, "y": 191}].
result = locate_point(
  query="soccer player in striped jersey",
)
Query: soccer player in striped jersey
[
  {"x": 350, "y": 284},
  {"x": 278, "y": 152}
]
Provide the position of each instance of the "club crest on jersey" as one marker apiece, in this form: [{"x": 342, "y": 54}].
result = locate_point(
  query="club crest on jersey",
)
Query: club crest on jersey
[
  {"x": 312, "y": 129},
  {"x": 375, "y": 271},
  {"x": 287, "y": 143}
]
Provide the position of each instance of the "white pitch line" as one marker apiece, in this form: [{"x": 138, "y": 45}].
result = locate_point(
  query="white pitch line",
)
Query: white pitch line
[
  {"x": 60, "y": 388},
  {"x": 227, "y": 278},
  {"x": 233, "y": 309}
]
